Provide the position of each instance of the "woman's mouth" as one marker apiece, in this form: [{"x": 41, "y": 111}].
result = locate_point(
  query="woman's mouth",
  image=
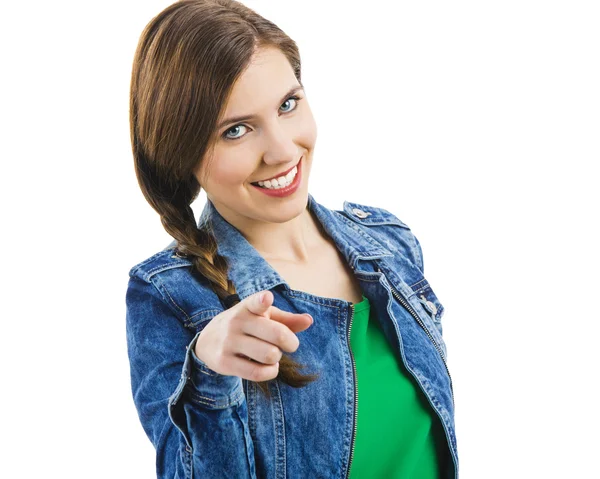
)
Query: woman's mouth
[{"x": 283, "y": 185}]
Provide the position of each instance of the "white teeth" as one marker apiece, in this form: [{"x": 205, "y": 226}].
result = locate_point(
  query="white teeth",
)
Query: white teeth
[{"x": 280, "y": 182}]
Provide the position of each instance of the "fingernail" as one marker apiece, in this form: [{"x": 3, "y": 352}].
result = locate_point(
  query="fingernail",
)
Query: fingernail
[
  {"x": 311, "y": 318},
  {"x": 261, "y": 298}
]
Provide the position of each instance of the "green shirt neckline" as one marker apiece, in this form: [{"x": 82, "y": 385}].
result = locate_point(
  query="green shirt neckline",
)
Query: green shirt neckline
[{"x": 364, "y": 304}]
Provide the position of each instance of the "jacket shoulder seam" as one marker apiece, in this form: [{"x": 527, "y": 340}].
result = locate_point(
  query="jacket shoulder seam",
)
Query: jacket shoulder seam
[
  {"x": 189, "y": 321},
  {"x": 157, "y": 263}
]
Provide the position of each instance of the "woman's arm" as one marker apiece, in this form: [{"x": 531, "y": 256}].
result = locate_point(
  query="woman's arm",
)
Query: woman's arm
[{"x": 196, "y": 419}]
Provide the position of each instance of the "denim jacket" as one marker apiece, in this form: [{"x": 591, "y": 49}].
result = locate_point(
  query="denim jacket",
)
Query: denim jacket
[{"x": 207, "y": 425}]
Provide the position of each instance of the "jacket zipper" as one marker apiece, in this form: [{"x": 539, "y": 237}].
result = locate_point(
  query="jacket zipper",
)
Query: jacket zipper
[
  {"x": 418, "y": 319},
  {"x": 355, "y": 392}
]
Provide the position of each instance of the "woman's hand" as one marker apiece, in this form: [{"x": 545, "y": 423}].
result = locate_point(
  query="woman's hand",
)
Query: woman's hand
[{"x": 248, "y": 339}]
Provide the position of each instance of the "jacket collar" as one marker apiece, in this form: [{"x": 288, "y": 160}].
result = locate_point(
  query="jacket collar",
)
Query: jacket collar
[{"x": 251, "y": 273}]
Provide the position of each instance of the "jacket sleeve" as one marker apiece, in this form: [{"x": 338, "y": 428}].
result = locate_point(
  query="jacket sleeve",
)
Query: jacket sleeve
[{"x": 196, "y": 419}]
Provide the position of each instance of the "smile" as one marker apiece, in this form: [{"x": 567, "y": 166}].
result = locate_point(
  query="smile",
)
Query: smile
[
  {"x": 287, "y": 175},
  {"x": 282, "y": 186}
]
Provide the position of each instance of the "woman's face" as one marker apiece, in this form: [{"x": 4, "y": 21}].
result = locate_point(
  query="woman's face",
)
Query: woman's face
[{"x": 278, "y": 131}]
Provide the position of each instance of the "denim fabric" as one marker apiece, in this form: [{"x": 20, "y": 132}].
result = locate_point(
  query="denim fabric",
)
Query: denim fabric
[{"x": 207, "y": 425}]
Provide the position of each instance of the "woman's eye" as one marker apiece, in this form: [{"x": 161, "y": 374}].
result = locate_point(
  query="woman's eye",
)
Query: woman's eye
[
  {"x": 232, "y": 129},
  {"x": 295, "y": 98}
]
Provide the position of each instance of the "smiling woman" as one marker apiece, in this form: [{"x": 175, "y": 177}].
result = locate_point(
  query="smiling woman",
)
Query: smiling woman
[{"x": 214, "y": 320}]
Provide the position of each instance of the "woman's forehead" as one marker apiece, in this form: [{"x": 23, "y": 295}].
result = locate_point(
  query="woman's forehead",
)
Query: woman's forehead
[{"x": 261, "y": 85}]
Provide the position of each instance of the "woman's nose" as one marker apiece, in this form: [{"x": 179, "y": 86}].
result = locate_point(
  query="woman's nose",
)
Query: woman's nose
[{"x": 280, "y": 146}]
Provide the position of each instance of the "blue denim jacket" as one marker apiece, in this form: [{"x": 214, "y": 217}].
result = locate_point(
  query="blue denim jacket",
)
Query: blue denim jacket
[{"x": 207, "y": 425}]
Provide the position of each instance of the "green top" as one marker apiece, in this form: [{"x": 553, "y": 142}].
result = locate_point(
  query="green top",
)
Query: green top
[{"x": 397, "y": 430}]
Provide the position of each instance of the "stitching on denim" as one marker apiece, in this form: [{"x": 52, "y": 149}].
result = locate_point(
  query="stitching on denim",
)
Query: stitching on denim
[
  {"x": 266, "y": 283},
  {"x": 424, "y": 280},
  {"x": 160, "y": 292},
  {"x": 421, "y": 289},
  {"x": 276, "y": 439},
  {"x": 201, "y": 366},
  {"x": 164, "y": 267},
  {"x": 199, "y": 399},
  {"x": 303, "y": 298},
  {"x": 428, "y": 388},
  {"x": 276, "y": 424},
  {"x": 203, "y": 397},
  {"x": 174, "y": 303},
  {"x": 145, "y": 262},
  {"x": 276, "y": 384},
  {"x": 368, "y": 238},
  {"x": 217, "y": 311},
  {"x": 366, "y": 280},
  {"x": 246, "y": 291},
  {"x": 353, "y": 225},
  {"x": 246, "y": 448},
  {"x": 179, "y": 308}
]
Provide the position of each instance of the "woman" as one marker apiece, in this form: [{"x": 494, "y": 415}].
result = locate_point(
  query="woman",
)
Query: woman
[{"x": 269, "y": 282}]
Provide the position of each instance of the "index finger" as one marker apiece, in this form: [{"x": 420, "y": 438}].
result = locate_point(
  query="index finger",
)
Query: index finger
[{"x": 295, "y": 321}]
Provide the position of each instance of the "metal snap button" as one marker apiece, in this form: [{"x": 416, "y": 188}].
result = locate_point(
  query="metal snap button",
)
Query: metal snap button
[
  {"x": 430, "y": 305},
  {"x": 360, "y": 213}
]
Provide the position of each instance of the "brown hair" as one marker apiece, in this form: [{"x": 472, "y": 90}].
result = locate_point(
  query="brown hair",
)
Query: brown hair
[{"x": 187, "y": 60}]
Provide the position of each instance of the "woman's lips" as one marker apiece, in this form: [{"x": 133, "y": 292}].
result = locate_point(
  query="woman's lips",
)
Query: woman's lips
[
  {"x": 278, "y": 175},
  {"x": 286, "y": 190}
]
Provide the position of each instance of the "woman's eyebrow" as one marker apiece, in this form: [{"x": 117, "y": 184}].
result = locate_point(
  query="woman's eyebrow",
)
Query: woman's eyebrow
[{"x": 237, "y": 119}]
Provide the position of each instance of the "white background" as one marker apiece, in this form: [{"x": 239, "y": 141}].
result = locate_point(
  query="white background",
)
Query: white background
[{"x": 476, "y": 123}]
